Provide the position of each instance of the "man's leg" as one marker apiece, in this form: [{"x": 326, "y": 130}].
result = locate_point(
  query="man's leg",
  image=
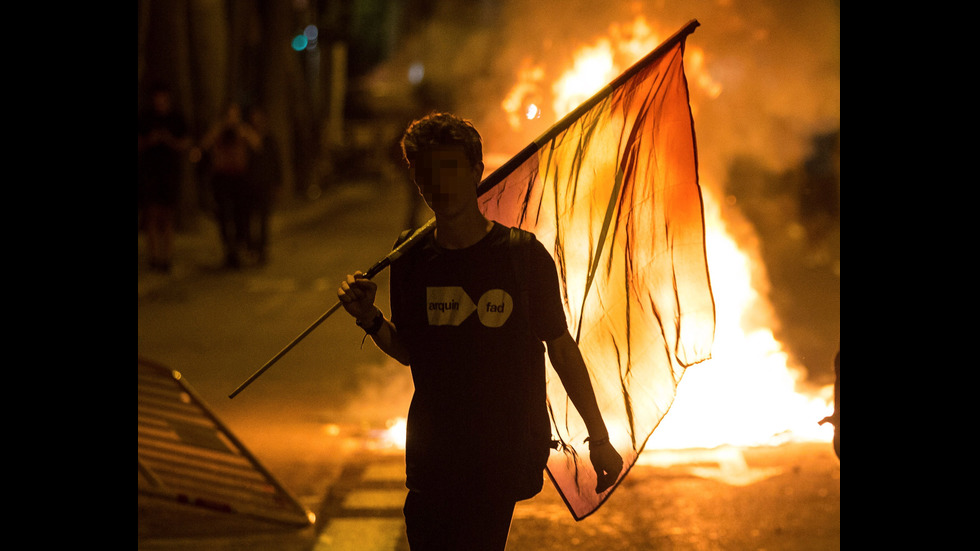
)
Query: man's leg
[{"x": 434, "y": 522}]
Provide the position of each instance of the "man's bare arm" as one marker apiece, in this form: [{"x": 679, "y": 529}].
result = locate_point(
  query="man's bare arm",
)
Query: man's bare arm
[{"x": 567, "y": 360}]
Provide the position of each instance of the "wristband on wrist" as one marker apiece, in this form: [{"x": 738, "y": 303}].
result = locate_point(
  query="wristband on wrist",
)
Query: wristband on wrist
[
  {"x": 596, "y": 442},
  {"x": 374, "y": 325}
]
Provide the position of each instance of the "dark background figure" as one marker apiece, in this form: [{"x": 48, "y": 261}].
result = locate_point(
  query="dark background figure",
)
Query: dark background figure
[
  {"x": 230, "y": 145},
  {"x": 265, "y": 175},
  {"x": 162, "y": 139},
  {"x": 834, "y": 418}
]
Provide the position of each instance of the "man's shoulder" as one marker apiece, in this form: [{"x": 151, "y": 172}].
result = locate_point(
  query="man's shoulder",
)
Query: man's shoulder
[
  {"x": 520, "y": 236},
  {"x": 512, "y": 235}
]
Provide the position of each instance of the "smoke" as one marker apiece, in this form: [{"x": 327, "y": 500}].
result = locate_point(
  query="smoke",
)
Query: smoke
[
  {"x": 776, "y": 64},
  {"x": 773, "y": 66}
]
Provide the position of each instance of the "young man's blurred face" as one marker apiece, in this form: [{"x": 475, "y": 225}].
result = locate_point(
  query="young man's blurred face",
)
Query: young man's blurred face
[{"x": 446, "y": 179}]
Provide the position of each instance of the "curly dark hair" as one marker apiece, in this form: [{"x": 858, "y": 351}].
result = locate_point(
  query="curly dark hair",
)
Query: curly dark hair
[{"x": 441, "y": 130}]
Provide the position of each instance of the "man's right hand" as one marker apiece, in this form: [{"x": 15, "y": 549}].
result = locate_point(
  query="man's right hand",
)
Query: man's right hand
[
  {"x": 607, "y": 464},
  {"x": 357, "y": 295}
]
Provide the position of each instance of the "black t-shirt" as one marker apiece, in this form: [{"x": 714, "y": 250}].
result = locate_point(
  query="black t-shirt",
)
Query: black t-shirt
[{"x": 474, "y": 320}]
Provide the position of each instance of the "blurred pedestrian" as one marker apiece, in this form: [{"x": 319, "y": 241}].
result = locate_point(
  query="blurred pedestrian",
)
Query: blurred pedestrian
[
  {"x": 162, "y": 140},
  {"x": 834, "y": 418},
  {"x": 265, "y": 174},
  {"x": 229, "y": 146}
]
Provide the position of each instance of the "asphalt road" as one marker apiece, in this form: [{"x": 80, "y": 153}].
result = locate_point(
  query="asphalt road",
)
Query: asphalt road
[{"x": 308, "y": 417}]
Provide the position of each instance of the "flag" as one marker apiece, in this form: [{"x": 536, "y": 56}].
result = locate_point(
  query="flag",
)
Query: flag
[{"x": 612, "y": 192}]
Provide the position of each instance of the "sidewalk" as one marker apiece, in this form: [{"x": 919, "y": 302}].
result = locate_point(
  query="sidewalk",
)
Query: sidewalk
[
  {"x": 198, "y": 255},
  {"x": 197, "y": 247}
]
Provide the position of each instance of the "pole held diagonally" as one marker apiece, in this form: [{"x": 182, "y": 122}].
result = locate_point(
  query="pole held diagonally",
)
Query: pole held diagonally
[
  {"x": 375, "y": 270},
  {"x": 491, "y": 181}
]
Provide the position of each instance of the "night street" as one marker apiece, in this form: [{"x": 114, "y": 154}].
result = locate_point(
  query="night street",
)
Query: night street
[
  {"x": 316, "y": 420},
  {"x": 680, "y": 163}
]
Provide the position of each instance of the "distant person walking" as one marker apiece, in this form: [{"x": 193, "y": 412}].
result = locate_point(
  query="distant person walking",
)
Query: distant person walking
[
  {"x": 162, "y": 140},
  {"x": 229, "y": 146},
  {"x": 265, "y": 175}
]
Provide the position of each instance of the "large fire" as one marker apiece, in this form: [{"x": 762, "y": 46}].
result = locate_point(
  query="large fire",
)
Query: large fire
[{"x": 748, "y": 393}]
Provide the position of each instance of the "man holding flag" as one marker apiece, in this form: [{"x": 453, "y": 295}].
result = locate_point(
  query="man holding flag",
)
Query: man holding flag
[
  {"x": 472, "y": 306},
  {"x": 613, "y": 189}
]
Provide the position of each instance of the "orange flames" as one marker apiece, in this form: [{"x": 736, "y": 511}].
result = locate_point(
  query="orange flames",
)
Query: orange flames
[
  {"x": 593, "y": 66},
  {"x": 748, "y": 393}
]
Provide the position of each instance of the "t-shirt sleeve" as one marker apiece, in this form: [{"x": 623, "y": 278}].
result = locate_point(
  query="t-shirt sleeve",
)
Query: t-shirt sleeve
[{"x": 547, "y": 308}]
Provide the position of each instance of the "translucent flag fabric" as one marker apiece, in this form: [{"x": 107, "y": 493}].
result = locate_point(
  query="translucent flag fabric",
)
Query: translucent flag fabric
[{"x": 612, "y": 192}]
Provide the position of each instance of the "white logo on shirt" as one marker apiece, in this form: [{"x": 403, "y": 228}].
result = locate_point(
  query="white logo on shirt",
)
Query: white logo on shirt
[
  {"x": 495, "y": 307},
  {"x": 451, "y": 306}
]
